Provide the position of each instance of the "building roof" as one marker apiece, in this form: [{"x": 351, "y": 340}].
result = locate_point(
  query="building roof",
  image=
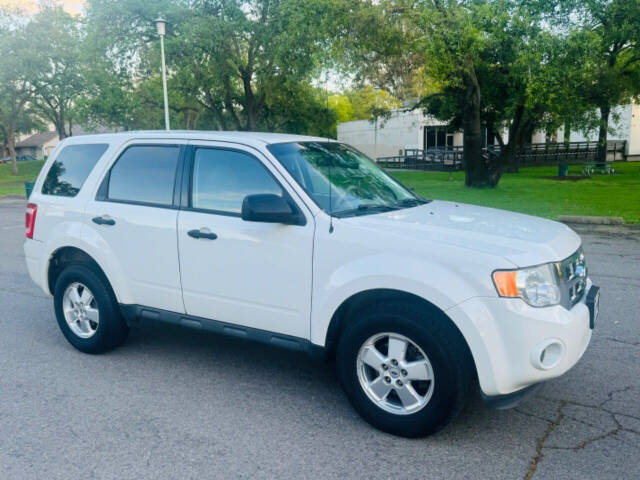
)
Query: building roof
[{"x": 37, "y": 140}]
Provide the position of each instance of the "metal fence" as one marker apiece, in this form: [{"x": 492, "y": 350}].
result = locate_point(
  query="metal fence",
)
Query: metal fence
[
  {"x": 551, "y": 153},
  {"x": 436, "y": 159},
  {"x": 569, "y": 152}
]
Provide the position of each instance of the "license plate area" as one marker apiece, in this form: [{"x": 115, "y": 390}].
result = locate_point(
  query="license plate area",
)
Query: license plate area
[{"x": 593, "y": 302}]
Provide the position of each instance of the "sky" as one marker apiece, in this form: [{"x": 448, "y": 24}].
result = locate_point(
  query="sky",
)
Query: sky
[{"x": 31, "y": 6}]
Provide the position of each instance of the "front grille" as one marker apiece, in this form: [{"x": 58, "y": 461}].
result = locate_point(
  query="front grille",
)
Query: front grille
[{"x": 572, "y": 275}]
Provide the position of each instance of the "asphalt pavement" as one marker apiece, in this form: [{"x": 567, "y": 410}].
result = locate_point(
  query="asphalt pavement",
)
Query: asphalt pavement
[{"x": 174, "y": 403}]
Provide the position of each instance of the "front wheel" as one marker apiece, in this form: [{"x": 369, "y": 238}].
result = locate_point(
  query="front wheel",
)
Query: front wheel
[{"x": 405, "y": 369}]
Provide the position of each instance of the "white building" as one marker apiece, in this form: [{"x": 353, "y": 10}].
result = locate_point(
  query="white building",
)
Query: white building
[{"x": 407, "y": 129}]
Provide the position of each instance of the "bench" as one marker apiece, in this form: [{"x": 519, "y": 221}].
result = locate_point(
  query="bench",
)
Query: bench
[{"x": 590, "y": 168}]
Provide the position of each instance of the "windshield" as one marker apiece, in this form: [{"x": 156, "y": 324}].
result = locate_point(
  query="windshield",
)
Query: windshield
[{"x": 357, "y": 185}]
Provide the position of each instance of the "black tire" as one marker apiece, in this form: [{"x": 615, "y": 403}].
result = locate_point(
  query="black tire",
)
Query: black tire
[
  {"x": 433, "y": 332},
  {"x": 112, "y": 328}
]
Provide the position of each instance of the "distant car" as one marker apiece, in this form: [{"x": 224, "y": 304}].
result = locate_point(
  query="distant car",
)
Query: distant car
[
  {"x": 305, "y": 243},
  {"x": 19, "y": 158}
]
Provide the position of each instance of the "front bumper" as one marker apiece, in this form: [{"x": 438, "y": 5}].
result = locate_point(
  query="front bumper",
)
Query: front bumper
[
  {"x": 511, "y": 400},
  {"x": 509, "y": 340}
]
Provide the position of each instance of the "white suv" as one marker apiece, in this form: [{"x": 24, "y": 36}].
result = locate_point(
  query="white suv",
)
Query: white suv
[{"x": 305, "y": 243}]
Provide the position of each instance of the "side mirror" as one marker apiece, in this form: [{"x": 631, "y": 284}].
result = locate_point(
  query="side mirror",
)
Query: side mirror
[{"x": 269, "y": 208}]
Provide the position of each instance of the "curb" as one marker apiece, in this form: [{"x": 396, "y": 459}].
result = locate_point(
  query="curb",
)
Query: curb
[
  {"x": 584, "y": 219},
  {"x": 12, "y": 199}
]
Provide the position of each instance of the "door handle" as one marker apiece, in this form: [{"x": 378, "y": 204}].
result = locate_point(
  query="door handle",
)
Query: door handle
[
  {"x": 202, "y": 233},
  {"x": 104, "y": 220}
]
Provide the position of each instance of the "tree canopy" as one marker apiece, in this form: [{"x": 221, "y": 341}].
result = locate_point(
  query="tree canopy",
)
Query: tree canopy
[{"x": 509, "y": 67}]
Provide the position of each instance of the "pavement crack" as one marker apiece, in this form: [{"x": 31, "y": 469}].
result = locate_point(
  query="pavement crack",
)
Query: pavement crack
[
  {"x": 561, "y": 415},
  {"x": 617, "y": 340},
  {"x": 589, "y": 441},
  {"x": 527, "y": 414},
  {"x": 612, "y": 393},
  {"x": 541, "y": 441}
]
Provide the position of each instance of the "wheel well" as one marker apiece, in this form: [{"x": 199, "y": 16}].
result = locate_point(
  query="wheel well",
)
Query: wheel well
[
  {"x": 65, "y": 256},
  {"x": 344, "y": 315}
]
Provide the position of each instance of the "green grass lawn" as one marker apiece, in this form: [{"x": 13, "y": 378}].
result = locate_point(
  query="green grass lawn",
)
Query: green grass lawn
[
  {"x": 533, "y": 190},
  {"x": 27, "y": 171}
]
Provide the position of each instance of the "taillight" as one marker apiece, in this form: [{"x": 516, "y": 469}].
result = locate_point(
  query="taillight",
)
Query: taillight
[{"x": 30, "y": 219}]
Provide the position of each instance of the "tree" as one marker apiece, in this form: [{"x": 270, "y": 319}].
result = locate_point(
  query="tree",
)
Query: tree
[
  {"x": 15, "y": 91},
  {"x": 368, "y": 103},
  {"x": 609, "y": 38},
  {"x": 342, "y": 106},
  {"x": 55, "y": 42},
  {"x": 231, "y": 59},
  {"x": 496, "y": 64},
  {"x": 374, "y": 42},
  {"x": 453, "y": 43}
]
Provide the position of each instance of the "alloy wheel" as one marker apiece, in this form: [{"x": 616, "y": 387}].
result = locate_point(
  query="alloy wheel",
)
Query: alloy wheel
[
  {"x": 80, "y": 310},
  {"x": 395, "y": 373}
]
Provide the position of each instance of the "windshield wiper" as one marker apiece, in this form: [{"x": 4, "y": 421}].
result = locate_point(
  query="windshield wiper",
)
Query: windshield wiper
[
  {"x": 411, "y": 202},
  {"x": 365, "y": 209}
]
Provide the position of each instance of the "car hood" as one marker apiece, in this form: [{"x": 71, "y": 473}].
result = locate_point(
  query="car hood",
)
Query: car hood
[{"x": 523, "y": 240}]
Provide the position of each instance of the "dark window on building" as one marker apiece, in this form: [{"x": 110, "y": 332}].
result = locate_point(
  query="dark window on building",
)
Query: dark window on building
[
  {"x": 437, "y": 137},
  {"x": 145, "y": 174},
  {"x": 449, "y": 139},
  {"x": 223, "y": 178},
  {"x": 430, "y": 135},
  {"x": 71, "y": 168}
]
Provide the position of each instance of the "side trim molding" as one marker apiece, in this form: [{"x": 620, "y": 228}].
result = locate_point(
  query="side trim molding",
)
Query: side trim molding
[{"x": 134, "y": 314}]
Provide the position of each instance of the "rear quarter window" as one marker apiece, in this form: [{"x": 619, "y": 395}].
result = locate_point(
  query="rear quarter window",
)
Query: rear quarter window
[{"x": 71, "y": 168}]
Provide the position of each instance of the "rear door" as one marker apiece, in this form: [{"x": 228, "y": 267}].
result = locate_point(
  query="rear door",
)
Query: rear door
[
  {"x": 134, "y": 215},
  {"x": 247, "y": 273}
]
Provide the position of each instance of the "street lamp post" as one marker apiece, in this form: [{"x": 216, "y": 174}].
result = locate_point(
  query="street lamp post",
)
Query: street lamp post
[
  {"x": 161, "y": 29},
  {"x": 375, "y": 131}
]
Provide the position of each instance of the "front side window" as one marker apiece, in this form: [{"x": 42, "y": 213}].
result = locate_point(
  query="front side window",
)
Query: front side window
[
  {"x": 71, "y": 168},
  {"x": 223, "y": 178},
  {"x": 341, "y": 180},
  {"x": 145, "y": 174}
]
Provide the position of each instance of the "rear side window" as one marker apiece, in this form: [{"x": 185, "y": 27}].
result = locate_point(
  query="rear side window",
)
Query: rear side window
[
  {"x": 145, "y": 174},
  {"x": 71, "y": 168}
]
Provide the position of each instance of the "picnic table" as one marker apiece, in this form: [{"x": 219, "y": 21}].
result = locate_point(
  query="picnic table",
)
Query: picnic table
[{"x": 590, "y": 168}]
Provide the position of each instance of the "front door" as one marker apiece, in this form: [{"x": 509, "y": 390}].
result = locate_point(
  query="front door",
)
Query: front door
[{"x": 247, "y": 273}]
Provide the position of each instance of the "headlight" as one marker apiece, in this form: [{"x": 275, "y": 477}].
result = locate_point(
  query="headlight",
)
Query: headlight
[{"x": 535, "y": 285}]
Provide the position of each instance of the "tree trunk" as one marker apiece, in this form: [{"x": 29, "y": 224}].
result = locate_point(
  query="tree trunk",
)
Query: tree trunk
[
  {"x": 509, "y": 154},
  {"x": 601, "y": 155},
  {"x": 250, "y": 104},
  {"x": 478, "y": 173},
  {"x": 60, "y": 127},
  {"x": 11, "y": 144},
  {"x": 472, "y": 147}
]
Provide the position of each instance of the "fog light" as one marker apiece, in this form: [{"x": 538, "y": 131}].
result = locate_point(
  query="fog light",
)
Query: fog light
[{"x": 547, "y": 354}]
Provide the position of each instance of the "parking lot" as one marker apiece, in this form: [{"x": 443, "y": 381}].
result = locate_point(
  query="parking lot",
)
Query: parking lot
[{"x": 175, "y": 403}]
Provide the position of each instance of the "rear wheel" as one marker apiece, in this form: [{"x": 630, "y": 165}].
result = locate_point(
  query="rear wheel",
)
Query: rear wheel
[
  {"x": 87, "y": 310},
  {"x": 405, "y": 369}
]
